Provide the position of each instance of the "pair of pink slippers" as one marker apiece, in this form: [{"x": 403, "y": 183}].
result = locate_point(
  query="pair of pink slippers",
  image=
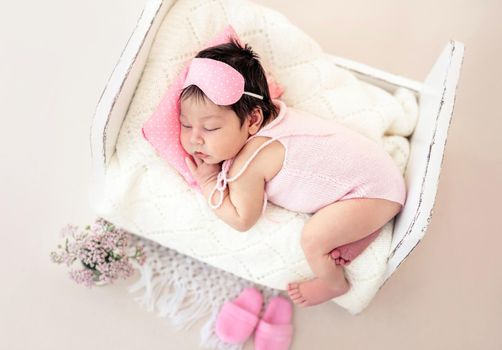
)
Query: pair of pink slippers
[{"x": 238, "y": 319}]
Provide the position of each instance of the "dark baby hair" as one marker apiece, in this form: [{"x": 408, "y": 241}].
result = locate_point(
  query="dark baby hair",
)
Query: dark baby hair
[{"x": 246, "y": 62}]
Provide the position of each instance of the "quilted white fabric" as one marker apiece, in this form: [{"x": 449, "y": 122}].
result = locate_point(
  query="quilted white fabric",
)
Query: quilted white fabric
[{"x": 144, "y": 195}]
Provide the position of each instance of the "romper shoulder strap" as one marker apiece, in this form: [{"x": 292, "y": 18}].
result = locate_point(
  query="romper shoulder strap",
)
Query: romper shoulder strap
[{"x": 222, "y": 179}]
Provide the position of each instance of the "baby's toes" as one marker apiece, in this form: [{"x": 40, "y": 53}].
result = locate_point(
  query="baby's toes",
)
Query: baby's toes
[
  {"x": 297, "y": 299},
  {"x": 293, "y": 286},
  {"x": 295, "y": 294},
  {"x": 349, "y": 255},
  {"x": 335, "y": 253}
]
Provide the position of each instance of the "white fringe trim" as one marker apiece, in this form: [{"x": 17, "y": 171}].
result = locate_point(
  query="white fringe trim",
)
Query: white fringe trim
[{"x": 185, "y": 290}]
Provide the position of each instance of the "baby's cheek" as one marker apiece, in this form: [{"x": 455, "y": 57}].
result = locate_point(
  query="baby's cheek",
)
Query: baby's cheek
[{"x": 184, "y": 144}]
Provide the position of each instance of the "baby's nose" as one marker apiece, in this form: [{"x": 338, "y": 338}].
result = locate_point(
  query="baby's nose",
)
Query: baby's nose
[{"x": 196, "y": 138}]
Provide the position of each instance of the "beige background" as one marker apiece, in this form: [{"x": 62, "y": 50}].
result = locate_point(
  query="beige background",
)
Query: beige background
[{"x": 56, "y": 57}]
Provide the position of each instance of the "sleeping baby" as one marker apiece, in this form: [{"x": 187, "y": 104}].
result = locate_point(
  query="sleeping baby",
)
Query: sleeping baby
[{"x": 247, "y": 149}]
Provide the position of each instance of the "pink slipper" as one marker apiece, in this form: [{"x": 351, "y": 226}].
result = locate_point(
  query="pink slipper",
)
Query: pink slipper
[
  {"x": 275, "y": 331},
  {"x": 238, "y": 318}
]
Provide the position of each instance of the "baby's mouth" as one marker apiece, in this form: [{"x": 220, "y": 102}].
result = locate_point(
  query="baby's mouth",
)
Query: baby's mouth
[{"x": 200, "y": 155}]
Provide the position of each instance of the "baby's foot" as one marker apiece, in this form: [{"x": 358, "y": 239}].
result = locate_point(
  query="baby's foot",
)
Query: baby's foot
[
  {"x": 344, "y": 254},
  {"x": 314, "y": 292}
]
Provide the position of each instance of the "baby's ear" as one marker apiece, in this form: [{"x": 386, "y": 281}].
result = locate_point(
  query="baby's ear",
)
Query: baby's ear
[{"x": 255, "y": 120}]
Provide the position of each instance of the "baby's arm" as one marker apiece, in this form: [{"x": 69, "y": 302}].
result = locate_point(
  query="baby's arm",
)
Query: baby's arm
[
  {"x": 243, "y": 199},
  {"x": 206, "y": 176}
]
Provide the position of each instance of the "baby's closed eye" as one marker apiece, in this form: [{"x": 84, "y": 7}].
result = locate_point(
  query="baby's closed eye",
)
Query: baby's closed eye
[{"x": 205, "y": 128}]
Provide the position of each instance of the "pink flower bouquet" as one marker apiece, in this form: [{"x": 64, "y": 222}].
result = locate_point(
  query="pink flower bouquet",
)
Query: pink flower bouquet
[{"x": 102, "y": 250}]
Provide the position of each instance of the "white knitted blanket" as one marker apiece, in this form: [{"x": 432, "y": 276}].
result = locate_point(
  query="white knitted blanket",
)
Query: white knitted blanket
[{"x": 146, "y": 196}]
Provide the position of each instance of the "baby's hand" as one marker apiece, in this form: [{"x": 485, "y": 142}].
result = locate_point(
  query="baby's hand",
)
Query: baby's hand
[{"x": 202, "y": 172}]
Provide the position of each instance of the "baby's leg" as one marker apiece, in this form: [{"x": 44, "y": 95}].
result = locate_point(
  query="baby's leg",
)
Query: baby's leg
[
  {"x": 344, "y": 254},
  {"x": 333, "y": 226}
]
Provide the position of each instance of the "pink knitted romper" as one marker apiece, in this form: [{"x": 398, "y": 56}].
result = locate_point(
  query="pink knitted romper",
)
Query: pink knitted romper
[{"x": 324, "y": 162}]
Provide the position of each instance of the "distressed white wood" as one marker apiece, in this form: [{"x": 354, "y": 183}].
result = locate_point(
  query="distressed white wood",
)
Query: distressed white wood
[
  {"x": 377, "y": 77},
  {"x": 436, "y": 94},
  {"x": 426, "y": 153},
  {"x": 117, "y": 94}
]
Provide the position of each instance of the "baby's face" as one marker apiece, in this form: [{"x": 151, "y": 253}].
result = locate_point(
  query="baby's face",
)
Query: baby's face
[{"x": 210, "y": 132}]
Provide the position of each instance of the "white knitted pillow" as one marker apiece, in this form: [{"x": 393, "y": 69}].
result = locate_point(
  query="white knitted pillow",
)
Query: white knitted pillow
[{"x": 146, "y": 196}]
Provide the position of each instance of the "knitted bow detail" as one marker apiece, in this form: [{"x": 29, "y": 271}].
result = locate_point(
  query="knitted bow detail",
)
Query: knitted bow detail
[{"x": 221, "y": 184}]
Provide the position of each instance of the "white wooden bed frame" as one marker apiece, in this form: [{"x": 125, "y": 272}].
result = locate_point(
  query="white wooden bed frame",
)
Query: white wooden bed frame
[{"x": 436, "y": 96}]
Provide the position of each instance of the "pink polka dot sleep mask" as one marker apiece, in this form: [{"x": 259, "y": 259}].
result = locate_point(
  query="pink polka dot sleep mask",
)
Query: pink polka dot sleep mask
[{"x": 220, "y": 82}]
